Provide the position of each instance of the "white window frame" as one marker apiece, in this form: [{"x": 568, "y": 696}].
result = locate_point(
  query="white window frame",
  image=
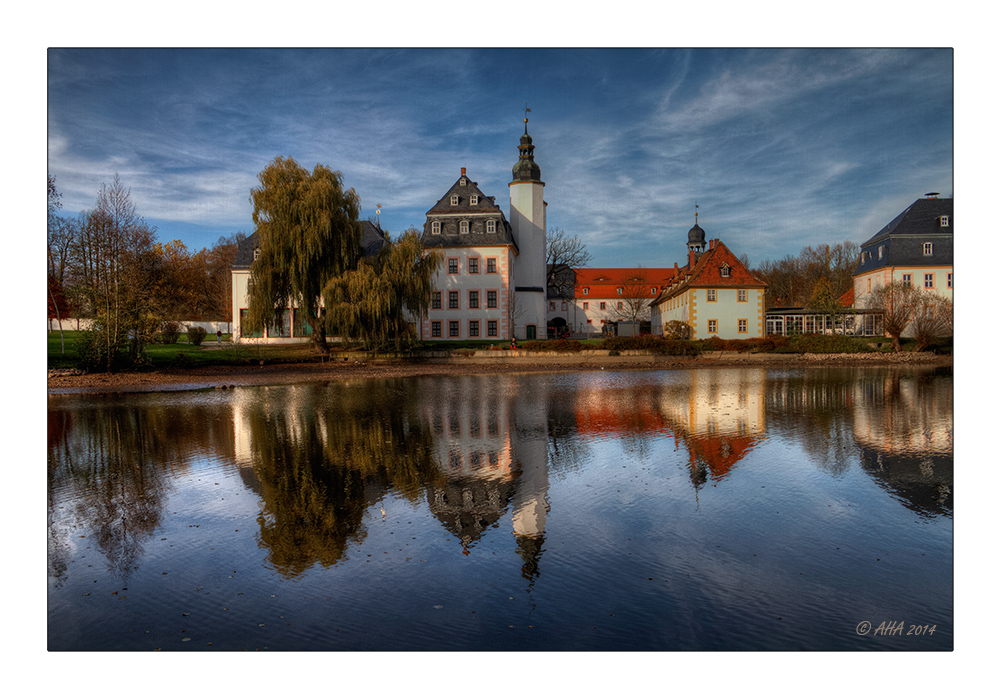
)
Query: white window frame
[
  {"x": 741, "y": 295},
  {"x": 473, "y": 199},
  {"x": 435, "y": 227},
  {"x": 491, "y": 226},
  {"x": 928, "y": 249},
  {"x": 463, "y": 227},
  {"x": 454, "y": 199},
  {"x": 710, "y": 295},
  {"x": 725, "y": 270},
  {"x": 945, "y": 221}
]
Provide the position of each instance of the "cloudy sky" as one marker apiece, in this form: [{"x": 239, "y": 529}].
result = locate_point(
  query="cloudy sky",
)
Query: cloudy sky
[{"x": 779, "y": 148}]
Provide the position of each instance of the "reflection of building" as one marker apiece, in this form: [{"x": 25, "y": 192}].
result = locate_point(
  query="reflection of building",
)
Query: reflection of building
[
  {"x": 905, "y": 430},
  {"x": 720, "y": 418},
  {"x": 492, "y": 456}
]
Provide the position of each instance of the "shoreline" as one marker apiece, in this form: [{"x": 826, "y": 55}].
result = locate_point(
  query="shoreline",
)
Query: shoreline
[{"x": 225, "y": 377}]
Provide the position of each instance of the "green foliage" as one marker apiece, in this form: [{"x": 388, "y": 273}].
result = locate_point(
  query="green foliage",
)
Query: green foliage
[
  {"x": 196, "y": 335},
  {"x": 375, "y": 303},
  {"x": 309, "y": 233}
]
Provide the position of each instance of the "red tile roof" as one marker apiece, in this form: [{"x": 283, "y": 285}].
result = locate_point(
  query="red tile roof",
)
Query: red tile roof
[
  {"x": 605, "y": 282},
  {"x": 707, "y": 272}
]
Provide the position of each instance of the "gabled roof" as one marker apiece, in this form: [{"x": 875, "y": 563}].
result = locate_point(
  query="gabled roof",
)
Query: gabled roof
[
  {"x": 902, "y": 240},
  {"x": 448, "y": 214},
  {"x": 707, "y": 272},
  {"x": 372, "y": 240},
  {"x": 605, "y": 282}
]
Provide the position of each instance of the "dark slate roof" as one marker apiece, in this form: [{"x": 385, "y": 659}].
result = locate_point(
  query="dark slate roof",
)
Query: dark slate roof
[
  {"x": 449, "y": 215},
  {"x": 902, "y": 240},
  {"x": 372, "y": 240}
]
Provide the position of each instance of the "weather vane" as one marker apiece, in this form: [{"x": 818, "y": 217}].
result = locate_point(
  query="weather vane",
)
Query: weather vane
[
  {"x": 526, "y": 110},
  {"x": 378, "y": 213},
  {"x": 696, "y": 212}
]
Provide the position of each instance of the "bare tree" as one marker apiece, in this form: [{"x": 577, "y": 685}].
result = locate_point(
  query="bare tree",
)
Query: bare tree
[
  {"x": 634, "y": 295},
  {"x": 562, "y": 256},
  {"x": 897, "y": 300},
  {"x": 932, "y": 318}
]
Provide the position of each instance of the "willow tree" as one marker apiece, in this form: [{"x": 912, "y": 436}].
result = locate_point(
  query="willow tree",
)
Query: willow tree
[
  {"x": 377, "y": 302},
  {"x": 308, "y": 233}
]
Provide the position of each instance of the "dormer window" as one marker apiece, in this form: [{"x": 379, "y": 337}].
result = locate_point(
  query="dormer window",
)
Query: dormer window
[
  {"x": 619, "y": 292},
  {"x": 436, "y": 228},
  {"x": 928, "y": 249},
  {"x": 725, "y": 270},
  {"x": 881, "y": 250},
  {"x": 473, "y": 200},
  {"x": 454, "y": 199},
  {"x": 462, "y": 181},
  {"x": 463, "y": 226},
  {"x": 256, "y": 252},
  {"x": 945, "y": 222},
  {"x": 491, "y": 226},
  {"x": 586, "y": 291}
]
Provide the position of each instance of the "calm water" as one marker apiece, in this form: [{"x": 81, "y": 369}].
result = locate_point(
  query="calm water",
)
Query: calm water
[{"x": 713, "y": 509}]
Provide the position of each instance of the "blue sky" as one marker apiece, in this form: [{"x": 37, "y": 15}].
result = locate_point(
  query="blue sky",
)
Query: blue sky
[{"x": 780, "y": 148}]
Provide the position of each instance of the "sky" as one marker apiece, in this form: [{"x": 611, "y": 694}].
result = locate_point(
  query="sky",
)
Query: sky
[{"x": 779, "y": 148}]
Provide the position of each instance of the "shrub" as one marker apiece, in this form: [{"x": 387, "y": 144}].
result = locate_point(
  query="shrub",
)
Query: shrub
[
  {"x": 196, "y": 335},
  {"x": 677, "y": 329},
  {"x": 669, "y": 347},
  {"x": 562, "y": 346},
  {"x": 170, "y": 332}
]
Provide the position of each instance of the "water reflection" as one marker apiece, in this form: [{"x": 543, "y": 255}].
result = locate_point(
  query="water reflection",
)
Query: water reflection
[{"x": 477, "y": 451}]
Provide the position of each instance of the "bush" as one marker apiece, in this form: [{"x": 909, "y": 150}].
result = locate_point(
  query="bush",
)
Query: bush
[
  {"x": 676, "y": 329},
  {"x": 562, "y": 346},
  {"x": 170, "y": 332},
  {"x": 658, "y": 345},
  {"x": 196, "y": 335}
]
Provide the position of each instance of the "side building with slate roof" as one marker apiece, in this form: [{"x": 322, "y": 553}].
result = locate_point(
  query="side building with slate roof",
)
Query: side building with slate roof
[
  {"x": 293, "y": 327},
  {"x": 916, "y": 247}
]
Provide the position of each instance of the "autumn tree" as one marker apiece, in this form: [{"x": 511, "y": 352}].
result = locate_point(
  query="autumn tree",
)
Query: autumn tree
[
  {"x": 309, "y": 233},
  {"x": 113, "y": 263},
  {"x": 563, "y": 254},
  {"x": 932, "y": 318},
  {"x": 824, "y": 299},
  {"x": 377, "y": 302}
]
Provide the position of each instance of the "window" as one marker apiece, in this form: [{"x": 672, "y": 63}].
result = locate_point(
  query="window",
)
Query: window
[
  {"x": 564, "y": 305},
  {"x": 473, "y": 299},
  {"x": 711, "y": 295},
  {"x": 619, "y": 305},
  {"x": 436, "y": 300},
  {"x": 300, "y": 328},
  {"x": 491, "y": 226},
  {"x": 436, "y": 228},
  {"x": 453, "y": 265},
  {"x": 928, "y": 281},
  {"x": 589, "y": 321},
  {"x": 473, "y": 200},
  {"x": 713, "y": 326},
  {"x": 928, "y": 249},
  {"x": 652, "y": 291},
  {"x": 908, "y": 279},
  {"x": 491, "y": 328},
  {"x": 619, "y": 292},
  {"x": 284, "y": 326},
  {"x": 473, "y": 328},
  {"x": 881, "y": 248},
  {"x": 453, "y": 328},
  {"x": 453, "y": 300},
  {"x": 604, "y": 306},
  {"x": 586, "y": 305},
  {"x": 256, "y": 253},
  {"x": 454, "y": 199},
  {"x": 945, "y": 222},
  {"x": 436, "y": 328},
  {"x": 463, "y": 181},
  {"x": 586, "y": 291},
  {"x": 742, "y": 325},
  {"x": 949, "y": 279},
  {"x": 463, "y": 226},
  {"x": 473, "y": 265},
  {"x": 725, "y": 270},
  {"x": 741, "y": 295},
  {"x": 244, "y": 329},
  {"x": 491, "y": 299},
  {"x": 491, "y": 265},
  {"x": 869, "y": 285}
]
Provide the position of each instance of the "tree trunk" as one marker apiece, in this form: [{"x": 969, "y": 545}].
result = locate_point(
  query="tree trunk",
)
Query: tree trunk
[{"x": 319, "y": 333}]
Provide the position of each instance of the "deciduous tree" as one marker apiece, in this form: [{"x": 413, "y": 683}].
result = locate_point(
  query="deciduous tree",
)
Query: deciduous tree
[
  {"x": 563, "y": 255},
  {"x": 309, "y": 233},
  {"x": 897, "y": 300}
]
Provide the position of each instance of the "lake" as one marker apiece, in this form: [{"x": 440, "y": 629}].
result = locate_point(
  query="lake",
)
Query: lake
[{"x": 705, "y": 509}]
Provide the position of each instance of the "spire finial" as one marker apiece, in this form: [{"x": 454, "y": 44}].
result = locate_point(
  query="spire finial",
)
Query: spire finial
[
  {"x": 526, "y": 110},
  {"x": 696, "y": 213}
]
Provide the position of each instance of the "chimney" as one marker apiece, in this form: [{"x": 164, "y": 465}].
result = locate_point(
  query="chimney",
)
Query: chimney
[
  {"x": 690, "y": 260},
  {"x": 463, "y": 171}
]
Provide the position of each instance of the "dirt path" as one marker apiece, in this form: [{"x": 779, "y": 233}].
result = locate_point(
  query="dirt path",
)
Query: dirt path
[{"x": 281, "y": 374}]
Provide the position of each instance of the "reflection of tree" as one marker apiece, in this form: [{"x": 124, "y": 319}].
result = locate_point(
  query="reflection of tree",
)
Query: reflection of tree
[
  {"x": 107, "y": 464},
  {"x": 325, "y": 457}
]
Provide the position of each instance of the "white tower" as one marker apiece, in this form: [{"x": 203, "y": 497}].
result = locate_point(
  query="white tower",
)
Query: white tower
[{"x": 527, "y": 220}]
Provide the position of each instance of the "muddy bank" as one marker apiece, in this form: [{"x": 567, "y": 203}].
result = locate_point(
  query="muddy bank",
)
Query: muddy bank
[{"x": 224, "y": 377}]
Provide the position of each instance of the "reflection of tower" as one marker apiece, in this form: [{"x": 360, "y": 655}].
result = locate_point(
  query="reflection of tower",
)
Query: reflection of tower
[{"x": 530, "y": 503}]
